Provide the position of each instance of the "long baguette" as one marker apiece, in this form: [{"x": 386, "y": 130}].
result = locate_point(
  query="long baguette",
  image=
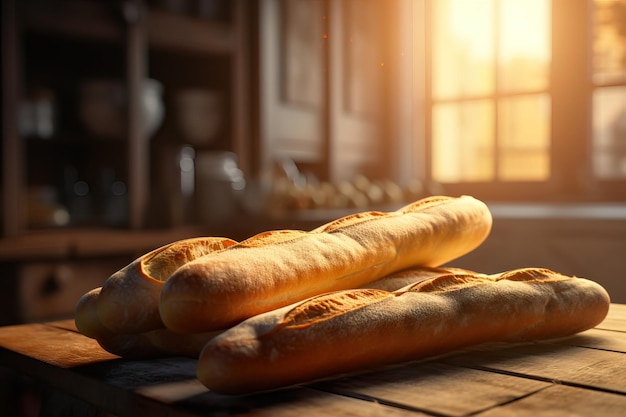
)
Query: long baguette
[
  {"x": 154, "y": 343},
  {"x": 275, "y": 269},
  {"x": 163, "y": 342},
  {"x": 129, "y": 299},
  {"x": 355, "y": 330}
]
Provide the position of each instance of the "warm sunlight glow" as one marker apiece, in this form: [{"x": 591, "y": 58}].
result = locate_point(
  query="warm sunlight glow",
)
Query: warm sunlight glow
[
  {"x": 463, "y": 53},
  {"x": 524, "y": 44},
  {"x": 524, "y": 136},
  {"x": 609, "y": 41},
  {"x": 609, "y": 129},
  {"x": 463, "y": 141},
  {"x": 524, "y": 30},
  {"x": 482, "y": 52},
  {"x": 471, "y": 23},
  {"x": 609, "y": 96}
]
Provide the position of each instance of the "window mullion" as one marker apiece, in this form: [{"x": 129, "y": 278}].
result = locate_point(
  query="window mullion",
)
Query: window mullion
[
  {"x": 428, "y": 91},
  {"x": 570, "y": 86},
  {"x": 496, "y": 90}
]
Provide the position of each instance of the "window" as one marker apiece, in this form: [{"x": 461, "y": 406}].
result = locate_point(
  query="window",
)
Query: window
[
  {"x": 526, "y": 99},
  {"x": 609, "y": 89}
]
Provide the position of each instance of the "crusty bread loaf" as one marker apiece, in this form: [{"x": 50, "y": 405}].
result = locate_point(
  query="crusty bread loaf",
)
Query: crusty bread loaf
[
  {"x": 154, "y": 343},
  {"x": 86, "y": 315},
  {"x": 275, "y": 269},
  {"x": 129, "y": 299},
  {"x": 163, "y": 342},
  {"x": 355, "y": 330}
]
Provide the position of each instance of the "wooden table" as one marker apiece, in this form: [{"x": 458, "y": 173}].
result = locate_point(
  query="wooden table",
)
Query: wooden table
[{"x": 581, "y": 375}]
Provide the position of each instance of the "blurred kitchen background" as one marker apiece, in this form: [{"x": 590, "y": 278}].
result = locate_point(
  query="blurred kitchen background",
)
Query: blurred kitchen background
[{"x": 130, "y": 124}]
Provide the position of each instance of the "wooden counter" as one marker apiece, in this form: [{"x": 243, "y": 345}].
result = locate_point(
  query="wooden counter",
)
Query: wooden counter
[{"x": 581, "y": 375}]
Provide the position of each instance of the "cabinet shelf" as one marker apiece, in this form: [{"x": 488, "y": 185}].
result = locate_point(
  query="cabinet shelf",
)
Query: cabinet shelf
[
  {"x": 72, "y": 18},
  {"x": 86, "y": 243},
  {"x": 93, "y": 20},
  {"x": 55, "y": 46},
  {"x": 188, "y": 34}
]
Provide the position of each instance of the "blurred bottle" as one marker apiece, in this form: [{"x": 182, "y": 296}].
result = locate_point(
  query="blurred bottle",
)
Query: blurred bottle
[
  {"x": 220, "y": 184},
  {"x": 114, "y": 199},
  {"x": 79, "y": 197},
  {"x": 38, "y": 114}
]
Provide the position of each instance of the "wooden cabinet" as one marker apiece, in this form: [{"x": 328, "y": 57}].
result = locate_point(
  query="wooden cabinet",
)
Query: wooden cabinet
[
  {"x": 95, "y": 121},
  {"x": 52, "y": 289},
  {"x": 90, "y": 92},
  {"x": 312, "y": 81},
  {"x": 326, "y": 68}
]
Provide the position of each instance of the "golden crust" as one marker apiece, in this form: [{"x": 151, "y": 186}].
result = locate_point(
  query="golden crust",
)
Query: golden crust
[
  {"x": 275, "y": 269},
  {"x": 272, "y": 237},
  {"x": 86, "y": 316},
  {"x": 128, "y": 302},
  {"x": 154, "y": 343},
  {"x": 298, "y": 343}
]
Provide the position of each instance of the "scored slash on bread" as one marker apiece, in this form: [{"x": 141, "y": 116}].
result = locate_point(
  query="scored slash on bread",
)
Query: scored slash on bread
[
  {"x": 374, "y": 328},
  {"x": 129, "y": 299}
]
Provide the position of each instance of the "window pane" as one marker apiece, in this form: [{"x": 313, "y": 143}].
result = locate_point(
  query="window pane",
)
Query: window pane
[
  {"x": 609, "y": 133},
  {"x": 609, "y": 42},
  {"x": 463, "y": 56},
  {"x": 524, "y": 138},
  {"x": 463, "y": 141},
  {"x": 524, "y": 44}
]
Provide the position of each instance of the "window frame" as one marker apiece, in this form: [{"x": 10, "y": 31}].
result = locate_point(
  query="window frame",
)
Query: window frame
[{"x": 570, "y": 90}]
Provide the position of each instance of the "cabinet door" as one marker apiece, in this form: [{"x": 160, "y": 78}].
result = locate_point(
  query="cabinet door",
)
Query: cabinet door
[
  {"x": 322, "y": 77},
  {"x": 292, "y": 81},
  {"x": 357, "y": 107},
  {"x": 50, "y": 290}
]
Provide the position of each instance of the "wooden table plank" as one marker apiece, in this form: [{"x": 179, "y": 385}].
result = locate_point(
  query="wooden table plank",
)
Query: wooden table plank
[
  {"x": 437, "y": 388},
  {"x": 598, "y": 339},
  {"x": 109, "y": 387},
  {"x": 563, "y": 401},
  {"x": 504, "y": 378},
  {"x": 616, "y": 319},
  {"x": 292, "y": 403},
  {"x": 63, "y": 359},
  {"x": 573, "y": 365},
  {"x": 98, "y": 393},
  {"x": 53, "y": 345},
  {"x": 173, "y": 381},
  {"x": 64, "y": 324},
  {"x": 474, "y": 391},
  {"x": 71, "y": 349}
]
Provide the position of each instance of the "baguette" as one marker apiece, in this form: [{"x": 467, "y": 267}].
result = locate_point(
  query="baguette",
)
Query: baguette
[
  {"x": 277, "y": 268},
  {"x": 154, "y": 343},
  {"x": 163, "y": 342},
  {"x": 355, "y": 330},
  {"x": 129, "y": 299}
]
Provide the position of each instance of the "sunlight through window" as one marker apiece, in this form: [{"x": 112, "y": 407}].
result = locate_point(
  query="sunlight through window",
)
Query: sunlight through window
[
  {"x": 609, "y": 96},
  {"x": 489, "y": 90}
]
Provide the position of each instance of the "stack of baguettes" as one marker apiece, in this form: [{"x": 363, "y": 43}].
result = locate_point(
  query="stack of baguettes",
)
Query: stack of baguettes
[{"x": 364, "y": 291}]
